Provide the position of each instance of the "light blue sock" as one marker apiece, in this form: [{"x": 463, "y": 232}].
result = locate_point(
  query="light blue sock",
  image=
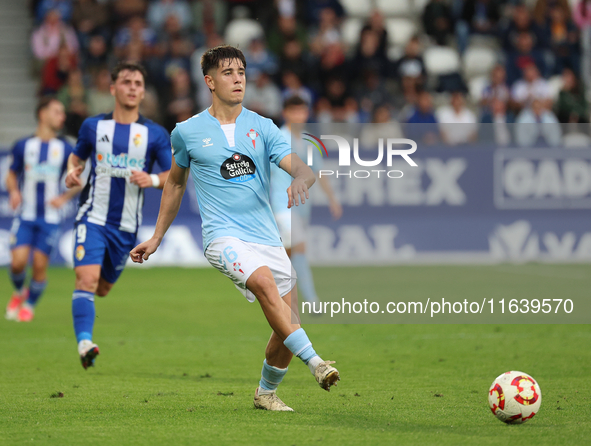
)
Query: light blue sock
[
  {"x": 271, "y": 377},
  {"x": 299, "y": 344},
  {"x": 305, "y": 279},
  {"x": 83, "y": 314},
  {"x": 35, "y": 291},
  {"x": 18, "y": 279}
]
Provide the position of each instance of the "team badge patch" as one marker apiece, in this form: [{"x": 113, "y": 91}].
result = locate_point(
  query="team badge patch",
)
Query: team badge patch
[
  {"x": 137, "y": 139},
  {"x": 80, "y": 252},
  {"x": 238, "y": 168},
  {"x": 253, "y": 135}
]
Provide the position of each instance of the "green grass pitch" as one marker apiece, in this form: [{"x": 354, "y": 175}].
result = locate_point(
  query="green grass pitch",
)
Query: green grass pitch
[{"x": 181, "y": 353}]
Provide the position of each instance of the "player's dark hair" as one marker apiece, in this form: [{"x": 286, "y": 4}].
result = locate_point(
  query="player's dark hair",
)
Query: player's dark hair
[
  {"x": 212, "y": 58},
  {"x": 294, "y": 101},
  {"x": 130, "y": 66},
  {"x": 43, "y": 103}
]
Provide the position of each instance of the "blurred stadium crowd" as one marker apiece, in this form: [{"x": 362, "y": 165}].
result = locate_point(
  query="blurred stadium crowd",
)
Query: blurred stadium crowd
[{"x": 401, "y": 62}]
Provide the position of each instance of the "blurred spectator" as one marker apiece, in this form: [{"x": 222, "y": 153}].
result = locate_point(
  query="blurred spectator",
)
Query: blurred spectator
[
  {"x": 96, "y": 55},
  {"x": 259, "y": 59},
  {"x": 293, "y": 59},
  {"x": 367, "y": 57},
  {"x": 531, "y": 87},
  {"x": 53, "y": 32},
  {"x": 542, "y": 10},
  {"x": 521, "y": 21},
  {"x": 582, "y": 14},
  {"x": 478, "y": 17},
  {"x": 497, "y": 88},
  {"x": 384, "y": 126},
  {"x": 315, "y": 8},
  {"x": 437, "y": 21},
  {"x": 293, "y": 86},
  {"x": 263, "y": 97},
  {"x": 209, "y": 16},
  {"x": 422, "y": 124},
  {"x": 73, "y": 96},
  {"x": 571, "y": 105},
  {"x": 203, "y": 95},
  {"x": 160, "y": 10},
  {"x": 135, "y": 37},
  {"x": 457, "y": 123},
  {"x": 180, "y": 100},
  {"x": 564, "y": 40},
  {"x": 100, "y": 99},
  {"x": 327, "y": 35},
  {"x": 123, "y": 10},
  {"x": 286, "y": 30},
  {"x": 411, "y": 64},
  {"x": 371, "y": 94},
  {"x": 523, "y": 56},
  {"x": 375, "y": 23},
  {"x": 174, "y": 50},
  {"x": 337, "y": 105},
  {"x": 64, "y": 7},
  {"x": 89, "y": 18},
  {"x": 537, "y": 126},
  {"x": 495, "y": 124},
  {"x": 56, "y": 70}
]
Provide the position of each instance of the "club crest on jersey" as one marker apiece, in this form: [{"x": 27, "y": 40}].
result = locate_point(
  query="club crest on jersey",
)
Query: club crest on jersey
[
  {"x": 137, "y": 139},
  {"x": 80, "y": 252},
  {"x": 253, "y": 135}
]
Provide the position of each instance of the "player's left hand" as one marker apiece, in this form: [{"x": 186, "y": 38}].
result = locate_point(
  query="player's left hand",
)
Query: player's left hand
[
  {"x": 298, "y": 191},
  {"x": 143, "y": 251},
  {"x": 142, "y": 179},
  {"x": 58, "y": 202}
]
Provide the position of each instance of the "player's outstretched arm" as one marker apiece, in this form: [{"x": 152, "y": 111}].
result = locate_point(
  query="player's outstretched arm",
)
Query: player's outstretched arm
[
  {"x": 75, "y": 169},
  {"x": 172, "y": 195},
  {"x": 303, "y": 179}
]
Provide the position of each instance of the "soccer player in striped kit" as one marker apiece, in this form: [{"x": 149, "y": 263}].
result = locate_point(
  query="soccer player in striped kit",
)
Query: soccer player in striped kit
[
  {"x": 122, "y": 147},
  {"x": 33, "y": 183}
]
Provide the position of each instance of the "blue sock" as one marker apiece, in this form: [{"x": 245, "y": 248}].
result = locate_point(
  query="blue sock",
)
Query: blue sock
[
  {"x": 305, "y": 279},
  {"x": 18, "y": 279},
  {"x": 271, "y": 376},
  {"x": 35, "y": 291},
  {"x": 299, "y": 344},
  {"x": 83, "y": 313}
]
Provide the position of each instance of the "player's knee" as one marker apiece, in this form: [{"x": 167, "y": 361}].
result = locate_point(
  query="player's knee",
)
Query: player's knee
[
  {"x": 87, "y": 282},
  {"x": 265, "y": 288},
  {"x": 17, "y": 266}
]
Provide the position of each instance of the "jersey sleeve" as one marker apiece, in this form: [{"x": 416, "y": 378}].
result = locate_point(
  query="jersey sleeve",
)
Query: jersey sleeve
[
  {"x": 18, "y": 157},
  {"x": 162, "y": 147},
  {"x": 85, "y": 144},
  {"x": 181, "y": 156},
  {"x": 277, "y": 146}
]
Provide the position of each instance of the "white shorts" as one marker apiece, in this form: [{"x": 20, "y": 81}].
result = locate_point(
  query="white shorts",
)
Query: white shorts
[
  {"x": 238, "y": 259},
  {"x": 291, "y": 229}
]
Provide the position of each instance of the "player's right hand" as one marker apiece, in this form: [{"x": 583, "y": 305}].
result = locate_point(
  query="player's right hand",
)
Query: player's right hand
[
  {"x": 15, "y": 199},
  {"x": 143, "y": 251},
  {"x": 73, "y": 177}
]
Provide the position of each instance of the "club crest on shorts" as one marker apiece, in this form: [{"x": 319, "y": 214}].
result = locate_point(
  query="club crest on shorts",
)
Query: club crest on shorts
[
  {"x": 80, "y": 252},
  {"x": 253, "y": 135}
]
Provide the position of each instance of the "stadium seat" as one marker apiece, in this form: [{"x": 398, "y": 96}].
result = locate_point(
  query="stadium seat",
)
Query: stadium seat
[
  {"x": 351, "y": 29},
  {"x": 476, "y": 86},
  {"x": 400, "y": 31},
  {"x": 478, "y": 60},
  {"x": 240, "y": 32},
  {"x": 419, "y": 6},
  {"x": 441, "y": 60},
  {"x": 576, "y": 141},
  {"x": 394, "y": 8},
  {"x": 555, "y": 83},
  {"x": 357, "y": 8}
]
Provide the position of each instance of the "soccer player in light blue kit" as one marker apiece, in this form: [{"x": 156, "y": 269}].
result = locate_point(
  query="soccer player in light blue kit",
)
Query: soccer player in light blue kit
[
  {"x": 228, "y": 149},
  {"x": 39, "y": 162},
  {"x": 293, "y": 223},
  {"x": 122, "y": 147}
]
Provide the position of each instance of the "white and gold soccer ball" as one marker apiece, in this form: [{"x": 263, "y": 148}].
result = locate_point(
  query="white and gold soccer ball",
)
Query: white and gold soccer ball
[{"x": 514, "y": 397}]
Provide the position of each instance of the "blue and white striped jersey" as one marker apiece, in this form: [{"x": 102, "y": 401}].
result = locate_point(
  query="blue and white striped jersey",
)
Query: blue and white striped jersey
[
  {"x": 40, "y": 166},
  {"x": 115, "y": 151}
]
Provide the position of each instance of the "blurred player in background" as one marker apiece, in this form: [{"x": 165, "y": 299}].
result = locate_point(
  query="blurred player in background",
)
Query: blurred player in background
[
  {"x": 293, "y": 223},
  {"x": 33, "y": 183},
  {"x": 228, "y": 150},
  {"x": 122, "y": 147}
]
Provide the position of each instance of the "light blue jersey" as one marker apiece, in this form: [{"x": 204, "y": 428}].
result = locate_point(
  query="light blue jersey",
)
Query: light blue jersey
[
  {"x": 231, "y": 168},
  {"x": 281, "y": 180}
]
